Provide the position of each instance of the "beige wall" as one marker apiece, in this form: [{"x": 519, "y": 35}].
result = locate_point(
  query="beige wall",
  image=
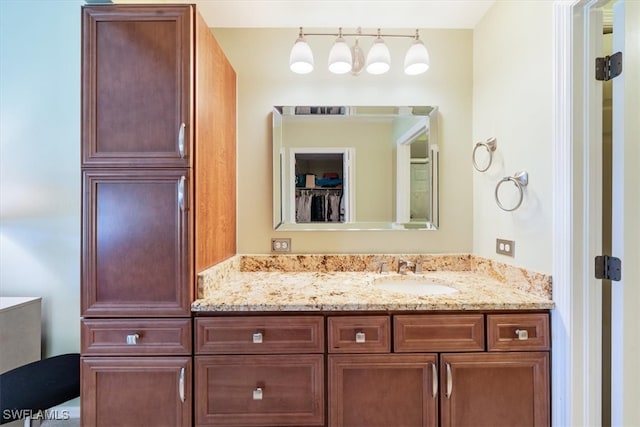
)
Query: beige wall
[
  {"x": 260, "y": 58},
  {"x": 40, "y": 163},
  {"x": 512, "y": 100}
]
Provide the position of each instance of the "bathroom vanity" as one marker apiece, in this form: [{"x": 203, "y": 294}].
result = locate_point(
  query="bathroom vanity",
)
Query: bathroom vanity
[{"x": 274, "y": 348}]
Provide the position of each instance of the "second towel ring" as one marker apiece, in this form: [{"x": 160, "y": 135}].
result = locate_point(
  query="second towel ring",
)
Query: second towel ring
[
  {"x": 521, "y": 180},
  {"x": 489, "y": 145}
]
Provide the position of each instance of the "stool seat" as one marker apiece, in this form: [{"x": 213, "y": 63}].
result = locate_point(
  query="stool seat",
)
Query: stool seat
[{"x": 39, "y": 385}]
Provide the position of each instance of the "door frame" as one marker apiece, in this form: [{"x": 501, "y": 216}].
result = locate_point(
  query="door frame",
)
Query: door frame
[{"x": 577, "y": 225}]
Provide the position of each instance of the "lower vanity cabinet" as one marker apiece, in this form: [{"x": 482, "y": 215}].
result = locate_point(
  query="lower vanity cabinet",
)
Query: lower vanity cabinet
[
  {"x": 259, "y": 371},
  {"x": 494, "y": 389},
  {"x": 136, "y": 391},
  {"x": 136, "y": 372}
]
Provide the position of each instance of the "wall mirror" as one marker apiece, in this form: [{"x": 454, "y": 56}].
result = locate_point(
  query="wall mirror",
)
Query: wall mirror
[{"x": 355, "y": 168}]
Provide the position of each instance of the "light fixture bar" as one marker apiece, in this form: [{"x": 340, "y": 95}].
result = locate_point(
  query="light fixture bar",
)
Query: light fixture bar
[{"x": 344, "y": 59}]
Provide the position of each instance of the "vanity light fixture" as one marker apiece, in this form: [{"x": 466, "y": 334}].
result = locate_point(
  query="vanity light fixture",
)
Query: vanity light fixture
[
  {"x": 301, "y": 57},
  {"x": 343, "y": 59}
]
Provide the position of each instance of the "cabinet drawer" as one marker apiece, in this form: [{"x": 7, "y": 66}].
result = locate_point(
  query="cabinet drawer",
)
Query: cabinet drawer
[
  {"x": 359, "y": 334},
  {"x": 438, "y": 332},
  {"x": 259, "y": 335},
  {"x": 266, "y": 390},
  {"x": 136, "y": 336},
  {"x": 509, "y": 332}
]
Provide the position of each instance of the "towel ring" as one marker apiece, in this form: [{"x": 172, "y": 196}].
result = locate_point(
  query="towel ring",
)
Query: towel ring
[
  {"x": 521, "y": 180},
  {"x": 489, "y": 145}
]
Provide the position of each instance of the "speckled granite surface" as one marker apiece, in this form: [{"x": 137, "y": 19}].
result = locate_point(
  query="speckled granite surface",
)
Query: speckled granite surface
[{"x": 348, "y": 282}]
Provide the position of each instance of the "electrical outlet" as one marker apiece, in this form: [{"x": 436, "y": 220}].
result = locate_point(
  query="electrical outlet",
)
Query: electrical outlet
[
  {"x": 506, "y": 247},
  {"x": 280, "y": 245}
]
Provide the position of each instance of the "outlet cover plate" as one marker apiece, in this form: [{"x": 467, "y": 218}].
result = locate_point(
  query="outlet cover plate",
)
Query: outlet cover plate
[
  {"x": 506, "y": 247},
  {"x": 281, "y": 245}
]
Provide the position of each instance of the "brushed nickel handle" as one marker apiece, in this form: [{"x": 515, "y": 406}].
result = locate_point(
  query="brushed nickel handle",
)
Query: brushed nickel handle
[
  {"x": 132, "y": 339},
  {"x": 449, "y": 382},
  {"x": 434, "y": 380},
  {"x": 361, "y": 337},
  {"x": 181, "y": 385},
  {"x": 522, "y": 334},
  {"x": 257, "y": 338},
  {"x": 181, "y": 193},
  {"x": 257, "y": 393},
  {"x": 181, "y": 140}
]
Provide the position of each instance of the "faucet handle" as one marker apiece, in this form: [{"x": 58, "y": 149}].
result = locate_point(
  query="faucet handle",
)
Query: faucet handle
[
  {"x": 384, "y": 267},
  {"x": 418, "y": 267}
]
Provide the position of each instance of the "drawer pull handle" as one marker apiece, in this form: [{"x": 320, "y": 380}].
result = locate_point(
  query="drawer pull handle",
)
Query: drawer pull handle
[
  {"x": 360, "y": 337},
  {"x": 522, "y": 334},
  {"x": 449, "y": 382},
  {"x": 434, "y": 380},
  {"x": 132, "y": 339},
  {"x": 257, "y": 394},
  {"x": 257, "y": 338}
]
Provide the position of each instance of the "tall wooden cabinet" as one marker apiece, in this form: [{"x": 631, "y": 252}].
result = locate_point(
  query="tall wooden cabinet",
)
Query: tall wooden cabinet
[{"x": 158, "y": 204}]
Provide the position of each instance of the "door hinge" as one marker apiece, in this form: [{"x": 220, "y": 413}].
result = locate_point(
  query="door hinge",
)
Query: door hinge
[
  {"x": 609, "y": 67},
  {"x": 608, "y": 268}
]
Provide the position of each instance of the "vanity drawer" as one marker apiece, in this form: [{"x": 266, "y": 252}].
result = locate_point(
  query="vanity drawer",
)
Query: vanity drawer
[
  {"x": 509, "y": 332},
  {"x": 438, "y": 333},
  {"x": 259, "y": 335},
  {"x": 265, "y": 390},
  {"x": 359, "y": 334},
  {"x": 136, "y": 336}
]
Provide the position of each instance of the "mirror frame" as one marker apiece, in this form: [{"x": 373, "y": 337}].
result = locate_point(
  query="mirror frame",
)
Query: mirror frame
[{"x": 430, "y": 125}]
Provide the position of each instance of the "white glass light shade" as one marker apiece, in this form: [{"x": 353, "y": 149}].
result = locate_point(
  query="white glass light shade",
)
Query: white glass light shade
[
  {"x": 416, "y": 61},
  {"x": 378, "y": 58},
  {"x": 340, "y": 57},
  {"x": 301, "y": 57}
]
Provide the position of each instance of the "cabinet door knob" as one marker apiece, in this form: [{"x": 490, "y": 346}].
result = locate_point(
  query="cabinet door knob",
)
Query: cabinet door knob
[
  {"x": 360, "y": 337},
  {"x": 257, "y": 337},
  {"x": 522, "y": 334},
  {"x": 257, "y": 394},
  {"x": 132, "y": 339}
]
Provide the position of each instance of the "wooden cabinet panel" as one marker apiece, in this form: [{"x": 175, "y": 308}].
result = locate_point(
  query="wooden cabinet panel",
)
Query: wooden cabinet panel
[
  {"x": 135, "y": 250},
  {"x": 137, "y": 64},
  {"x": 136, "y": 391},
  {"x": 382, "y": 390},
  {"x": 274, "y": 390},
  {"x": 259, "y": 335},
  {"x": 518, "y": 332},
  {"x": 359, "y": 334},
  {"x": 136, "y": 336},
  {"x": 438, "y": 333},
  {"x": 495, "y": 389}
]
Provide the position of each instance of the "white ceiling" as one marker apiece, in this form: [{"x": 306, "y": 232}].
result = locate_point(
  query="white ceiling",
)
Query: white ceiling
[{"x": 349, "y": 14}]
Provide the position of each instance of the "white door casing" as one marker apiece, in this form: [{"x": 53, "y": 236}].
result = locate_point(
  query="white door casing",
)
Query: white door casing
[{"x": 625, "y": 345}]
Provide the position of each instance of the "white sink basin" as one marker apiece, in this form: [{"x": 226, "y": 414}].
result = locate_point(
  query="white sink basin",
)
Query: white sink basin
[{"x": 413, "y": 286}]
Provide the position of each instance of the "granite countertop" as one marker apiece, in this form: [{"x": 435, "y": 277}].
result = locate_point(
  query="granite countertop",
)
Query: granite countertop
[{"x": 231, "y": 288}]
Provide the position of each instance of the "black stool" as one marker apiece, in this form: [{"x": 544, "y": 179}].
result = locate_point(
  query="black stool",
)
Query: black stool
[{"x": 39, "y": 385}]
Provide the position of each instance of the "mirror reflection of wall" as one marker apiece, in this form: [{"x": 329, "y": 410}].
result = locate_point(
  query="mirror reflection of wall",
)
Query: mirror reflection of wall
[{"x": 370, "y": 195}]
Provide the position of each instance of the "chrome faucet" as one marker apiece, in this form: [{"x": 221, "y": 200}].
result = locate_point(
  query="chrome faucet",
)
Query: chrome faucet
[{"x": 404, "y": 265}]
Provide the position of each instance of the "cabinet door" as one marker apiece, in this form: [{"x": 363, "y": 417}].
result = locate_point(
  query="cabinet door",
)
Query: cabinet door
[
  {"x": 507, "y": 389},
  {"x": 136, "y": 85},
  {"x": 273, "y": 390},
  {"x": 135, "y": 244},
  {"x": 136, "y": 391},
  {"x": 398, "y": 390}
]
